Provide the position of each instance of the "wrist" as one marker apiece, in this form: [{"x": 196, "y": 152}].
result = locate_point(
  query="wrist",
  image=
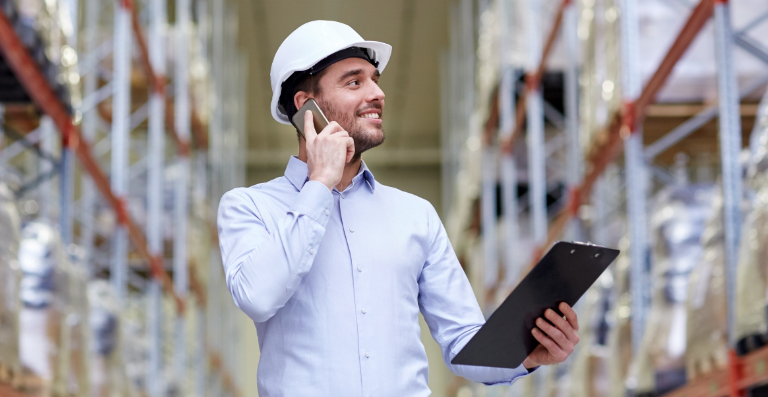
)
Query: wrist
[{"x": 529, "y": 364}]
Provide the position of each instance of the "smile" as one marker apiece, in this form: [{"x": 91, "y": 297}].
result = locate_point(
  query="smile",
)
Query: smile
[{"x": 370, "y": 116}]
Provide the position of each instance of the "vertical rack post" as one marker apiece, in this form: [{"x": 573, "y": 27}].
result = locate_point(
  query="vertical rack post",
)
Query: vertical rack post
[
  {"x": 67, "y": 176},
  {"x": 635, "y": 170},
  {"x": 155, "y": 170},
  {"x": 573, "y": 156},
  {"x": 90, "y": 84},
  {"x": 121, "y": 102},
  {"x": 488, "y": 208},
  {"x": 730, "y": 146},
  {"x": 537, "y": 178},
  {"x": 181, "y": 186},
  {"x": 507, "y": 165}
]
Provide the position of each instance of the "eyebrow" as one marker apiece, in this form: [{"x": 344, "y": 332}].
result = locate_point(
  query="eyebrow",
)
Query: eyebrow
[{"x": 354, "y": 72}]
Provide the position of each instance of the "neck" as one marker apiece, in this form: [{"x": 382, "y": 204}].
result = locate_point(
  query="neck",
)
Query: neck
[{"x": 350, "y": 170}]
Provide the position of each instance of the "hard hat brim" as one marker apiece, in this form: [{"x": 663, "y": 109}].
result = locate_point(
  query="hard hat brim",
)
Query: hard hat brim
[{"x": 381, "y": 53}]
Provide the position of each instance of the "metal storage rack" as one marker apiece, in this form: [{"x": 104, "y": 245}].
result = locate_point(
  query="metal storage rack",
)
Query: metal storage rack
[
  {"x": 91, "y": 134},
  {"x": 623, "y": 134}
]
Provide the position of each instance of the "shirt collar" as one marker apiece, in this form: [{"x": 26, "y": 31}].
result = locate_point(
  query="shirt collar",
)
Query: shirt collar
[{"x": 297, "y": 173}]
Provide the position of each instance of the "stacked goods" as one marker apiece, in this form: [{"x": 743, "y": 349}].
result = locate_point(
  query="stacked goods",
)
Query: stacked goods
[
  {"x": 44, "y": 28},
  {"x": 679, "y": 217},
  {"x": 75, "y": 332},
  {"x": 600, "y": 93},
  {"x": 620, "y": 336},
  {"x": 10, "y": 277},
  {"x": 103, "y": 321},
  {"x": 752, "y": 276},
  {"x": 44, "y": 294},
  {"x": 707, "y": 339},
  {"x": 589, "y": 366}
]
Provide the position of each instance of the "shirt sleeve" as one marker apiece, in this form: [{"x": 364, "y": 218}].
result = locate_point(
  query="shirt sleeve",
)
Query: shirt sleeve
[
  {"x": 264, "y": 265},
  {"x": 450, "y": 308}
]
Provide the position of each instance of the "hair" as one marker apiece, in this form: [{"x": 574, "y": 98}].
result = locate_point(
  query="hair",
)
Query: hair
[{"x": 309, "y": 83}]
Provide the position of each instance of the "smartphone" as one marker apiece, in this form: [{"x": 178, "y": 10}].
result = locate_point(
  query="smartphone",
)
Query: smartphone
[{"x": 317, "y": 117}]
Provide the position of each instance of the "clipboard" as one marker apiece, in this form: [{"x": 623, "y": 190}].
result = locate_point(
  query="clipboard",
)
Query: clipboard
[{"x": 564, "y": 274}]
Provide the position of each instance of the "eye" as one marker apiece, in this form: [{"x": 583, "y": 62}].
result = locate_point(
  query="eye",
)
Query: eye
[{"x": 353, "y": 82}]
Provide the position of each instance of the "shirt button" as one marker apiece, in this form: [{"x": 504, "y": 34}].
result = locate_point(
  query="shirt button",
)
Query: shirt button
[
  {"x": 365, "y": 310},
  {"x": 311, "y": 251},
  {"x": 327, "y": 212},
  {"x": 359, "y": 268},
  {"x": 352, "y": 229},
  {"x": 367, "y": 355}
]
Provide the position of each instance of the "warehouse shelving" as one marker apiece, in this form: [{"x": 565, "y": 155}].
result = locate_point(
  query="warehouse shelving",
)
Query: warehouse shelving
[
  {"x": 177, "y": 115},
  {"x": 622, "y": 135}
]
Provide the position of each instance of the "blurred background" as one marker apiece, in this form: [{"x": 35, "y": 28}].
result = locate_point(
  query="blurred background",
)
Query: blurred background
[{"x": 639, "y": 125}]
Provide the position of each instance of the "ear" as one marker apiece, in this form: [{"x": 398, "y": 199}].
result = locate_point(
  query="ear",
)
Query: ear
[{"x": 300, "y": 98}]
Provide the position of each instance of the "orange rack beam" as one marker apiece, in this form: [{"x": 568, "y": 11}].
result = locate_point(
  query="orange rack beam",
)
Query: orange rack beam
[
  {"x": 742, "y": 373},
  {"x": 37, "y": 87}
]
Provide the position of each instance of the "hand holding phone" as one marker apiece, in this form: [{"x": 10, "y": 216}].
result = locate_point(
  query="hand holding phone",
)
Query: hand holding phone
[
  {"x": 327, "y": 151},
  {"x": 319, "y": 119}
]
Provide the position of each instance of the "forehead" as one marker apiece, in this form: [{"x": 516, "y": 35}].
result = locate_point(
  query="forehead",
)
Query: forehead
[{"x": 341, "y": 67}]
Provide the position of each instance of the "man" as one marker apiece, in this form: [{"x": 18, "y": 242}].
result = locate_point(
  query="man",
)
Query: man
[{"x": 334, "y": 267}]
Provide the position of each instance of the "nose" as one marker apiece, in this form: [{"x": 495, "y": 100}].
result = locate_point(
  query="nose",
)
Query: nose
[{"x": 376, "y": 94}]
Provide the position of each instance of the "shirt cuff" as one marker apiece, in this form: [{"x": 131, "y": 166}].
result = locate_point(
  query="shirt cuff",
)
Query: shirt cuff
[
  {"x": 315, "y": 201},
  {"x": 513, "y": 375}
]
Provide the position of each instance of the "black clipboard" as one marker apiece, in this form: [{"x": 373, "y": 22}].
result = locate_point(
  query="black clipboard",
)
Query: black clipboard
[{"x": 564, "y": 274}]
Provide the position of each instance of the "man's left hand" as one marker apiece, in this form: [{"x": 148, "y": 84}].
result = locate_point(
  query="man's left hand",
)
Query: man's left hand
[{"x": 557, "y": 337}]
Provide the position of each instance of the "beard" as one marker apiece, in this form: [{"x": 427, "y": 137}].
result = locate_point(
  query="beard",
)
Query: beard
[{"x": 365, "y": 136}]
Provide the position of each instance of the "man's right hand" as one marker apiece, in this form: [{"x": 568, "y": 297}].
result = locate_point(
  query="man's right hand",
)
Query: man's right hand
[{"x": 327, "y": 152}]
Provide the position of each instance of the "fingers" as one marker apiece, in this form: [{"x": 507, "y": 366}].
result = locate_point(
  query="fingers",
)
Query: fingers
[
  {"x": 570, "y": 315},
  {"x": 556, "y": 335},
  {"x": 309, "y": 126},
  {"x": 564, "y": 326},
  {"x": 554, "y": 350}
]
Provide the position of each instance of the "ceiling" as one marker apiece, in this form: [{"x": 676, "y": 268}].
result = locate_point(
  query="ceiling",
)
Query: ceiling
[{"x": 418, "y": 33}]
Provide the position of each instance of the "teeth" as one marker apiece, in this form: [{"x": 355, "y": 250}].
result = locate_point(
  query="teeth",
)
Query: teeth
[{"x": 370, "y": 116}]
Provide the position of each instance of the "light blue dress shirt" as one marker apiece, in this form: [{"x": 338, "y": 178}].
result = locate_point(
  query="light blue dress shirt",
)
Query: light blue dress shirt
[{"x": 334, "y": 282}]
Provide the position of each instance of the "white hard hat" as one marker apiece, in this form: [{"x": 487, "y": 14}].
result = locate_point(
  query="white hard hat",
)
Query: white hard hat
[{"x": 311, "y": 43}]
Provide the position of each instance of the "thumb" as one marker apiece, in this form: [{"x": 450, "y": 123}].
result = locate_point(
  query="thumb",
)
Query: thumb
[{"x": 350, "y": 149}]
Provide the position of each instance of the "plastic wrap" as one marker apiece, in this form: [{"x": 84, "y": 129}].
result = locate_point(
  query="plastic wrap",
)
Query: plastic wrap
[
  {"x": 10, "y": 277},
  {"x": 44, "y": 295},
  {"x": 678, "y": 220},
  {"x": 588, "y": 375},
  {"x": 752, "y": 275},
  {"x": 707, "y": 344},
  {"x": 72, "y": 364},
  {"x": 103, "y": 323},
  {"x": 600, "y": 93},
  {"x": 45, "y": 27},
  {"x": 620, "y": 336}
]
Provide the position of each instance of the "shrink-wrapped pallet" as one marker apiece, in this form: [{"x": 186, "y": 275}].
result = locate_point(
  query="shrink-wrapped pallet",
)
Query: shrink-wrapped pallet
[
  {"x": 10, "y": 276},
  {"x": 103, "y": 323},
  {"x": 589, "y": 364},
  {"x": 44, "y": 295},
  {"x": 72, "y": 362},
  {"x": 752, "y": 272},
  {"x": 678, "y": 219},
  {"x": 707, "y": 344},
  {"x": 620, "y": 335}
]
